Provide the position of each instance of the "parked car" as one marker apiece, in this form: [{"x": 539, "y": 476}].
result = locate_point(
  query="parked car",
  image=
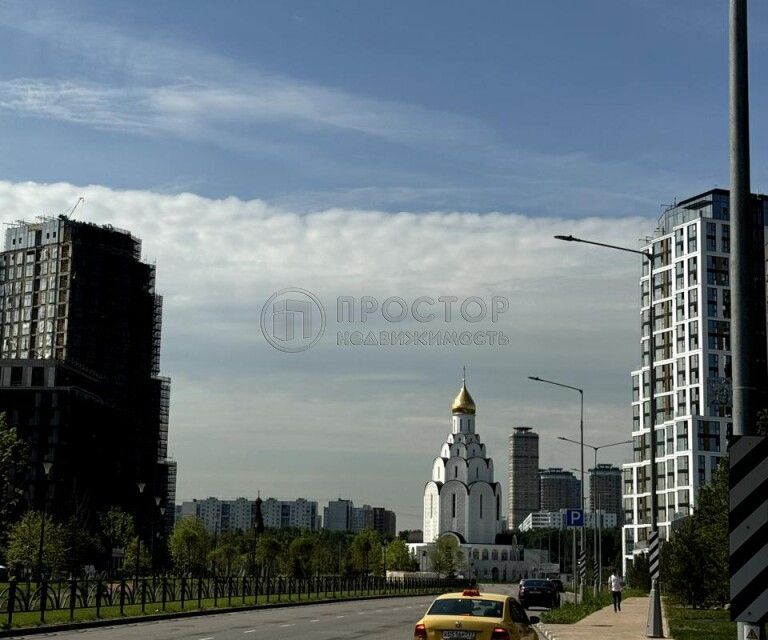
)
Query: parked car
[{"x": 538, "y": 593}]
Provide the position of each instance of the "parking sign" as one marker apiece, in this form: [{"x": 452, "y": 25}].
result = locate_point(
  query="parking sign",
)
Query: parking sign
[{"x": 574, "y": 518}]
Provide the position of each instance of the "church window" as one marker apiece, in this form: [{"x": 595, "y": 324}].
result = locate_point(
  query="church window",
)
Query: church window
[
  {"x": 494, "y": 555},
  {"x": 477, "y": 472},
  {"x": 498, "y": 507},
  {"x": 455, "y": 472},
  {"x": 481, "y": 507},
  {"x": 504, "y": 555},
  {"x": 485, "y": 554},
  {"x": 453, "y": 506}
]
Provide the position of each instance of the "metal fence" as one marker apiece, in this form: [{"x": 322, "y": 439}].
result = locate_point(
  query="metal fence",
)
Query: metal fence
[{"x": 117, "y": 598}]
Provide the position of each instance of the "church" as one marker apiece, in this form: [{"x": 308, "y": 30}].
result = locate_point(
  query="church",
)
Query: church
[{"x": 462, "y": 500}]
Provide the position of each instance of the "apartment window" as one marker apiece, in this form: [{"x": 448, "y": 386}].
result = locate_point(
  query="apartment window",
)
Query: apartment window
[
  {"x": 725, "y": 239},
  {"x": 681, "y": 378},
  {"x": 671, "y": 474},
  {"x": 635, "y": 388},
  {"x": 680, "y": 306},
  {"x": 682, "y": 403},
  {"x": 693, "y": 336},
  {"x": 713, "y": 368},
  {"x": 718, "y": 335},
  {"x": 640, "y": 447},
  {"x": 693, "y": 275},
  {"x": 628, "y": 511},
  {"x": 702, "y": 470},
  {"x": 682, "y": 436},
  {"x": 635, "y": 417},
  {"x": 717, "y": 270},
  {"x": 692, "y": 238},
  {"x": 711, "y": 302},
  {"x": 644, "y": 297},
  {"x": 694, "y": 369},
  {"x": 679, "y": 242},
  {"x": 682, "y": 471},
  {"x": 628, "y": 481},
  {"x": 695, "y": 408},
  {"x": 711, "y": 236},
  {"x": 708, "y": 435},
  {"x": 680, "y": 330},
  {"x": 726, "y": 303},
  {"x": 684, "y": 501},
  {"x": 693, "y": 303}
]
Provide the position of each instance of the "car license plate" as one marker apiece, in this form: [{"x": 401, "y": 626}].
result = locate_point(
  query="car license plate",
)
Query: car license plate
[{"x": 458, "y": 634}]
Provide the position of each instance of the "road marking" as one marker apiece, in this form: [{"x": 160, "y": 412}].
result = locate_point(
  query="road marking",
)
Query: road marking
[
  {"x": 250, "y": 631},
  {"x": 339, "y": 616},
  {"x": 315, "y": 620},
  {"x": 210, "y": 638},
  {"x": 287, "y": 625}
]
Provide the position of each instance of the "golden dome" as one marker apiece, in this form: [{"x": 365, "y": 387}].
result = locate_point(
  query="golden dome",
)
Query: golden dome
[{"x": 463, "y": 403}]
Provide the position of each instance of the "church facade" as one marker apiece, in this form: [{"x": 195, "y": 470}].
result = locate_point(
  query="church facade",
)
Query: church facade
[{"x": 462, "y": 497}]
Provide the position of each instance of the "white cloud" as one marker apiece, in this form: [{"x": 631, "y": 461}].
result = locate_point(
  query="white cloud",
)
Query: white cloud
[{"x": 245, "y": 416}]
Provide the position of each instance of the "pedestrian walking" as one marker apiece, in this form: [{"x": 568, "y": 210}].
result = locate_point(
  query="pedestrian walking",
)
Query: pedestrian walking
[{"x": 616, "y": 584}]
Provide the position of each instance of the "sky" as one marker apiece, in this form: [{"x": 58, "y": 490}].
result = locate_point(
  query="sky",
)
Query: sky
[{"x": 375, "y": 149}]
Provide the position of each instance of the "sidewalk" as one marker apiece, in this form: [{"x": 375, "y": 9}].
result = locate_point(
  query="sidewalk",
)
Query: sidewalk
[{"x": 628, "y": 624}]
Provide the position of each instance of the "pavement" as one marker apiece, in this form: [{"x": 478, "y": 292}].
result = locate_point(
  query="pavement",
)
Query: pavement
[{"x": 627, "y": 624}]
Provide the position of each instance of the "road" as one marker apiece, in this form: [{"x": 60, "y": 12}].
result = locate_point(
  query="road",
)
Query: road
[{"x": 388, "y": 618}]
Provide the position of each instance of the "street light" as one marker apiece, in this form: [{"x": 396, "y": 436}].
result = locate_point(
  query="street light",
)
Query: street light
[
  {"x": 140, "y": 486},
  {"x": 598, "y": 525},
  {"x": 581, "y": 431},
  {"x": 653, "y": 628},
  {"x": 47, "y": 472}
]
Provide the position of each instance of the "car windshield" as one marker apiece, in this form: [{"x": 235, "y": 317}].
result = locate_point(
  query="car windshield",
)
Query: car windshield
[
  {"x": 535, "y": 583},
  {"x": 467, "y": 607}
]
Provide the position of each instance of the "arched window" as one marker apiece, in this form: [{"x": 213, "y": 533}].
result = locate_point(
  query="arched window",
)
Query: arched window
[
  {"x": 504, "y": 555},
  {"x": 494, "y": 555},
  {"x": 481, "y": 506},
  {"x": 477, "y": 472},
  {"x": 485, "y": 554},
  {"x": 455, "y": 472},
  {"x": 453, "y": 505},
  {"x": 475, "y": 554},
  {"x": 498, "y": 506}
]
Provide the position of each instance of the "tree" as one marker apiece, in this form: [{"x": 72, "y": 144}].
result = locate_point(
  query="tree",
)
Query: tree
[
  {"x": 226, "y": 554},
  {"x": 129, "y": 559},
  {"x": 189, "y": 545},
  {"x": 324, "y": 557},
  {"x": 24, "y": 545},
  {"x": 694, "y": 562},
  {"x": 299, "y": 557},
  {"x": 639, "y": 573},
  {"x": 80, "y": 545},
  {"x": 445, "y": 556},
  {"x": 398, "y": 558},
  {"x": 365, "y": 552},
  {"x": 268, "y": 550},
  {"x": 14, "y": 467}
]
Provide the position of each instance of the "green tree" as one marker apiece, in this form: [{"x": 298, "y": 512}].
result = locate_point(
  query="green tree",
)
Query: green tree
[
  {"x": 445, "y": 556},
  {"x": 365, "y": 552},
  {"x": 638, "y": 573},
  {"x": 268, "y": 551},
  {"x": 299, "y": 557},
  {"x": 694, "y": 562},
  {"x": 14, "y": 467},
  {"x": 398, "y": 558},
  {"x": 324, "y": 557},
  {"x": 80, "y": 544},
  {"x": 129, "y": 559},
  {"x": 189, "y": 545},
  {"x": 24, "y": 545},
  {"x": 227, "y": 555}
]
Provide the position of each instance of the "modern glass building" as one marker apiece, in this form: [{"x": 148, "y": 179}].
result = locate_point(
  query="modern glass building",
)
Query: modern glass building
[{"x": 692, "y": 359}]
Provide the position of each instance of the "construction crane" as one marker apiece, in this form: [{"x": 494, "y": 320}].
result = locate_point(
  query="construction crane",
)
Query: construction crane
[{"x": 71, "y": 212}]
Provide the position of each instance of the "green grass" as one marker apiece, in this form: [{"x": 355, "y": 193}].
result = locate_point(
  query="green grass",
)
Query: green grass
[
  {"x": 61, "y": 616},
  {"x": 697, "y": 624},
  {"x": 569, "y": 613}
]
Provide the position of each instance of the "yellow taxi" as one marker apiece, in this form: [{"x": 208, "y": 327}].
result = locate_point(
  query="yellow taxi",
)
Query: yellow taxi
[{"x": 470, "y": 615}]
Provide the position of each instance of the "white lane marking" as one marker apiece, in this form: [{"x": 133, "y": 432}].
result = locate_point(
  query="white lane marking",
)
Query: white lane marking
[
  {"x": 287, "y": 625},
  {"x": 315, "y": 620},
  {"x": 339, "y": 617},
  {"x": 250, "y": 631},
  {"x": 210, "y": 638}
]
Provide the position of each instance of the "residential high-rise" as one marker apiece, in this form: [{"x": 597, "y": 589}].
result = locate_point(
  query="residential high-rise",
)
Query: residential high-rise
[
  {"x": 343, "y": 515},
  {"x": 242, "y": 514},
  {"x": 605, "y": 490},
  {"x": 337, "y": 516},
  {"x": 79, "y": 370},
  {"x": 462, "y": 497},
  {"x": 691, "y": 294},
  {"x": 523, "y": 475},
  {"x": 558, "y": 490}
]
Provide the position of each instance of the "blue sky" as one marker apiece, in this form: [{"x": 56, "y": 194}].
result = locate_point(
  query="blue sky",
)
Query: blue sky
[
  {"x": 557, "y": 107},
  {"x": 374, "y": 148}
]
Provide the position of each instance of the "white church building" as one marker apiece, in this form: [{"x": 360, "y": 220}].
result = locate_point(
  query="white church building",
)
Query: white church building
[{"x": 463, "y": 500}]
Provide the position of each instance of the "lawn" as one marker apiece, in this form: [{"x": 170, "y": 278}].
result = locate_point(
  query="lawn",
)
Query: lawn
[
  {"x": 697, "y": 624},
  {"x": 568, "y": 612}
]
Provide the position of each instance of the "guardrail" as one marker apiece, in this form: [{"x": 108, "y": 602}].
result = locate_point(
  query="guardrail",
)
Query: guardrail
[{"x": 117, "y": 598}]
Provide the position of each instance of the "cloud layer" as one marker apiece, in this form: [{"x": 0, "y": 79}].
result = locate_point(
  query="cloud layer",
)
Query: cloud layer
[{"x": 365, "y": 423}]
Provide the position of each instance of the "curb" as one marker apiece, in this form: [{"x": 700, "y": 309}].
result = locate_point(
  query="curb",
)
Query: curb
[
  {"x": 115, "y": 622},
  {"x": 544, "y": 632}
]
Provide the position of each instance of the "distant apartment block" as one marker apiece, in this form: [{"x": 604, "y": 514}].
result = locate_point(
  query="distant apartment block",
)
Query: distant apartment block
[
  {"x": 558, "y": 489},
  {"x": 343, "y": 515},
  {"x": 557, "y": 520},
  {"x": 522, "y": 472},
  {"x": 220, "y": 516},
  {"x": 605, "y": 490}
]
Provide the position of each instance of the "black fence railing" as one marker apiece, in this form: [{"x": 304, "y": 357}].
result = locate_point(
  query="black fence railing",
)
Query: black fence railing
[{"x": 29, "y": 603}]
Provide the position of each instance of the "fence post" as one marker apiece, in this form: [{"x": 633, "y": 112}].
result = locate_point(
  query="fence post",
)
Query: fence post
[
  {"x": 11, "y": 601},
  {"x": 215, "y": 592},
  {"x": 122, "y": 597},
  {"x": 43, "y": 598},
  {"x": 229, "y": 591}
]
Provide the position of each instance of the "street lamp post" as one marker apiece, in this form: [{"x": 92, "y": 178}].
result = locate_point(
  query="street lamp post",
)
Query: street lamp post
[
  {"x": 140, "y": 486},
  {"x": 47, "y": 472},
  {"x": 158, "y": 500},
  {"x": 654, "y": 627},
  {"x": 581, "y": 432},
  {"x": 597, "y": 525}
]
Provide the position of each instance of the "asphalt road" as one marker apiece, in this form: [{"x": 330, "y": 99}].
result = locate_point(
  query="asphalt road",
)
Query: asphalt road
[{"x": 388, "y": 618}]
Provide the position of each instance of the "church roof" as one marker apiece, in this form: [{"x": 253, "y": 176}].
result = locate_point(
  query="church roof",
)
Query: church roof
[{"x": 463, "y": 403}]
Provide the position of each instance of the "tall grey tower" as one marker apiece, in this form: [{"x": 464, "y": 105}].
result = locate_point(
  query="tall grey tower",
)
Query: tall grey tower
[{"x": 523, "y": 468}]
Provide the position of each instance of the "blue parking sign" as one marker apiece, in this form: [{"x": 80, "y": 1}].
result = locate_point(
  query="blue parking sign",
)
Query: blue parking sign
[{"x": 574, "y": 518}]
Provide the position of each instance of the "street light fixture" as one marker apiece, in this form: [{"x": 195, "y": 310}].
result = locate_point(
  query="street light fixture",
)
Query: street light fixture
[
  {"x": 47, "y": 472},
  {"x": 654, "y": 628},
  {"x": 598, "y": 525},
  {"x": 581, "y": 431}
]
